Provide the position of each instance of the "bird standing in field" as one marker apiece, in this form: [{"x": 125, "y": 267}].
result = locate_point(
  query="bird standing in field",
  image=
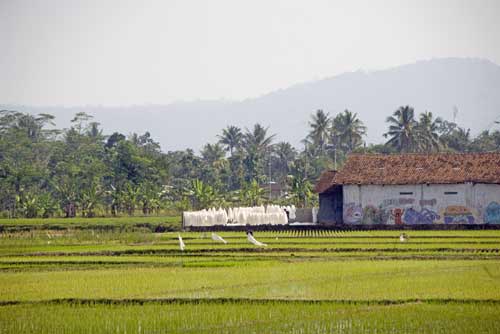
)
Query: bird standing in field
[
  {"x": 181, "y": 243},
  {"x": 403, "y": 237},
  {"x": 253, "y": 240},
  {"x": 216, "y": 237}
]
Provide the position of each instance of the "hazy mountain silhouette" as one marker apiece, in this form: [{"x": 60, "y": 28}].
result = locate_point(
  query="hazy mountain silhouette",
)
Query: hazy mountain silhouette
[{"x": 472, "y": 86}]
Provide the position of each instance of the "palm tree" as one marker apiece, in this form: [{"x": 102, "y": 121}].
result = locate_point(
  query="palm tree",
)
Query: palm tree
[
  {"x": 257, "y": 140},
  {"x": 403, "y": 130},
  {"x": 348, "y": 130},
  {"x": 31, "y": 125},
  {"x": 320, "y": 127},
  {"x": 284, "y": 155},
  {"x": 212, "y": 154},
  {"x": 486, "y": 141},
  {"x": 458, "y": 140},
  {"x": 256, "y": 144},
  {"x": 428, "y": 129},
  {"x": 231, "y": 138},
  {"x": 215, "y": 164}
]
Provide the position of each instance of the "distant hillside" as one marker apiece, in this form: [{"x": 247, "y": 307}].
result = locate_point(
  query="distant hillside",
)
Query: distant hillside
[{"x": 472, "y": 86}]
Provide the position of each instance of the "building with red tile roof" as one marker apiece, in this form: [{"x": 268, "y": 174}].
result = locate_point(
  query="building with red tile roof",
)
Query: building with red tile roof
[{"x": 447, "y": 188}]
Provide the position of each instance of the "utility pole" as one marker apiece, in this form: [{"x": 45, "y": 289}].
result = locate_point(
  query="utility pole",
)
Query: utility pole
[
  {"x": 270, "y": 188},
  {"x": 305, "y": 171},
  {"x": 335, "y": 158}
]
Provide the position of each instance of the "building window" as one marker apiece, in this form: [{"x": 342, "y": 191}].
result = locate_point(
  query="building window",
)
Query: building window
[
  {"x": 451, "y": 193},
  {"x": 406, "y": 193}
]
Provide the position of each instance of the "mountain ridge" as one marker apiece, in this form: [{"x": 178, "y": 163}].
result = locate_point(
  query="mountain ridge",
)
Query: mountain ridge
[{"x": 471, "y": 85}]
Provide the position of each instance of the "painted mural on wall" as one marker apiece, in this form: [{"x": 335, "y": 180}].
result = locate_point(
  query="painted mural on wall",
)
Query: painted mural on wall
[
  {"x": 396, "y": 211},
  {"x": 397, "y": 215},
  {"x": 425, "y": 216},
  {"x": 374, "y": 215},
  {"x": 457, "y": 214},
  {"x": 492, "y": 213},
  {"x": 353, "y": 213},
  {"x": 401, "y": 211}
]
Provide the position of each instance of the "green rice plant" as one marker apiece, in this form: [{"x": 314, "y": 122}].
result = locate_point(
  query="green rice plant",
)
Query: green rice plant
[
  {"x": 150, "y": 222},
  {"x": 132, "y": 280},
  {"x": 242, "y": 316},
  {"x": 320, "y": 279}
]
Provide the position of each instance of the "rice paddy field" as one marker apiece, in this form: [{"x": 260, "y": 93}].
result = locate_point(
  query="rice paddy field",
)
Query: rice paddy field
[{"x": 132, "y": 280}]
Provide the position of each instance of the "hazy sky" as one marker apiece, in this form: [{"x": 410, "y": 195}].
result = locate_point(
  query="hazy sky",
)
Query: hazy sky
[{"x": 135, "y": 52}]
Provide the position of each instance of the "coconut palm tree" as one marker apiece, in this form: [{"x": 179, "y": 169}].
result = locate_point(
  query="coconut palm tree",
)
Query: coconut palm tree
[
  {"x": 257, "y": 140},
  {"x": 428, "y": 132},
  {"x": 459, "y": 139},
  {"x": 256, "y": 144},
  {"x": 283, "y": 156},
  {"x": 403, "y": 130},
  {"x": 348, "y": 130},
  {"x": 231, "y": 138},
  {"x": 215, "y": 164},
  {"x": 320, "y": 129},
  {"x": 212, "y": 153}
]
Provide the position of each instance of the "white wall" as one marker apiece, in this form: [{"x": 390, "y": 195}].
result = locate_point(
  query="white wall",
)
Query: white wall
[{"x": 421, "y": 204}]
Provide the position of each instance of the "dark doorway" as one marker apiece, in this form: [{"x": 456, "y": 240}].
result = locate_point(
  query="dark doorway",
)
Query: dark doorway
[{"x": 331, "y": 204}]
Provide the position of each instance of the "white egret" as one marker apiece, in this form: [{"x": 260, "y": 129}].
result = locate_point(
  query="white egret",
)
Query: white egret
[
  {"x": 216, "y": 237},
  {"x": 253, "y": 240},
  {"x": 181, "y": 243}
]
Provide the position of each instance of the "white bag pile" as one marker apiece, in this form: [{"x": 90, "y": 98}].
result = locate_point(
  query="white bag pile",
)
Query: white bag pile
[
  {"x": 257, "y": 215},
  {"x": 204, "y": 217}
]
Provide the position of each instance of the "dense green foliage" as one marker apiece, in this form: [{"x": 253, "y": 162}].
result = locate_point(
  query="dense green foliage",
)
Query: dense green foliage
[
  {"x": 80, "y": 171},
  {"x": 305, "y": 281}
]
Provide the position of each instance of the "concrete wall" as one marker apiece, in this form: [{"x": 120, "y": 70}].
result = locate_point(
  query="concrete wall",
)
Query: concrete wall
[
  {"x": 303, "y": 215},
  {"x": 422, "y": 204}
]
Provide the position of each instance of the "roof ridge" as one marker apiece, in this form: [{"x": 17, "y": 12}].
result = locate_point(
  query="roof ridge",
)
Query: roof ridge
[{"x": 422, "y": 153}]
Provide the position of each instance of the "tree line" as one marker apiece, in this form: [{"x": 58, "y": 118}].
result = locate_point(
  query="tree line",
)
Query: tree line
[{"x": 80, "y": 171}]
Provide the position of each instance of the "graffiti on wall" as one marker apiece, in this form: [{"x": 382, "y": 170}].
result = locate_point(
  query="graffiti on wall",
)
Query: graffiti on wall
[
  {"x": 492, "y": 213},
  {"x": 397, "y": 201},
  {"x": 425, "y": 216},
  {"x": 457, "y": 214},
  {"x": 353, "y": 213},
  {"x": 397, "y": 215},
  {"x": 392, "y": 211},
  {"x": 427, "y": 202},
  {"x": 400, "y": 211},
  {"x": 374, "y": 215}
]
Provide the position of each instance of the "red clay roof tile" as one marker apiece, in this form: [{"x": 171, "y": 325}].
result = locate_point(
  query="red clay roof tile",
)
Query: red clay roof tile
[{"x": 417, "y": 168}]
